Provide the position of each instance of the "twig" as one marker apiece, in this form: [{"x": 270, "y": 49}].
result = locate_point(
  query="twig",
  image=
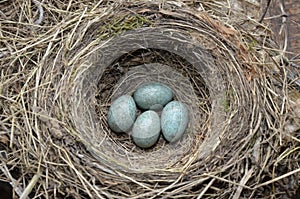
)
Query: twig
[
  {"x": 278, "y": 178},
  {"x": 206, "y": 188},
  {"x": 14, "y": 182},
  {"x": 265, "y": 12},
  {"x": 41, "y": 12},
  {"x": 30, "y": 186}
]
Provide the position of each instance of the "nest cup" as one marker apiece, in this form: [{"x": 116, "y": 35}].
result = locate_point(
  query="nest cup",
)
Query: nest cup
[{"x": 105, "y": 145}]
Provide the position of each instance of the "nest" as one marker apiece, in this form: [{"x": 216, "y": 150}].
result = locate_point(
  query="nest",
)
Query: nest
[{"x": 56, "y": 89}]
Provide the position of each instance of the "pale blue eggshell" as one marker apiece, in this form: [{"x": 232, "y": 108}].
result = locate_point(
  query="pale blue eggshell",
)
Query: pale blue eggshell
[
  {"x": 152, "y": 96},
  {"x": 122, "y": 114},
  {"x": 146, "y": 129},
  {"x": 174, "y": 120}
]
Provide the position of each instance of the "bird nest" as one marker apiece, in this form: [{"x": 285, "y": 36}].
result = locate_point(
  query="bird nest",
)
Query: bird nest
[{"x": 56, "y": 90}]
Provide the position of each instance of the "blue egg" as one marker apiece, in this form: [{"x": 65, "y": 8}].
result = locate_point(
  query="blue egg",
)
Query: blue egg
[
  {"x": 122, "y": 114},
  {"x": 152, "y": 96},
  {"x": 174, "y": 120},
  {"x": 146, "y": 129}
]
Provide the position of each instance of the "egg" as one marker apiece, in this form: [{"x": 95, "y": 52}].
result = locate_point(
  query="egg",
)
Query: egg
[
  {"x": 152, "y": 96},
  {"x": 146, "y": 129},
  {"x": 174, "y": 120},
  {"x": 122, "y": 114}
]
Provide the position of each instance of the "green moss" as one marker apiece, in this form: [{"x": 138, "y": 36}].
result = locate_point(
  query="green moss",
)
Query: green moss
[
  {"x": 226, "y": 104},
  {"x": 251, "y": 45},
  {"x": 230, "y": 94},
  {"x": 121, "y": 24},
  {"x": 251, "y": 42}
]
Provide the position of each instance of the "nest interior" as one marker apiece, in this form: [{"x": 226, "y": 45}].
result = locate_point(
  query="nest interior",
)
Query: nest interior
[
  {"x": 166, "y": 40},
  {"x": 60, "y": 73}
]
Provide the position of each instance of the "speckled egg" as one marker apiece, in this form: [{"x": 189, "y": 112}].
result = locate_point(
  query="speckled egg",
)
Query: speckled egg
[
  {"x": 174, "y": 120},
  {"x": 122, "y": 114},
  {"x": 146, "y": 129},
  {"x": 152, "y": 96}
]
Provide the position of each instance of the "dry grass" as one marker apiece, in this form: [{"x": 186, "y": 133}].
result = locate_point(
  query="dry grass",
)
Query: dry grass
[{"x": 63, "y": 62}]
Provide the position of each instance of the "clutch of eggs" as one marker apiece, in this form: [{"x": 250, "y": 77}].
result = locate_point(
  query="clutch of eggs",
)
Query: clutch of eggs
[{"x": 146, "y": 128}]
